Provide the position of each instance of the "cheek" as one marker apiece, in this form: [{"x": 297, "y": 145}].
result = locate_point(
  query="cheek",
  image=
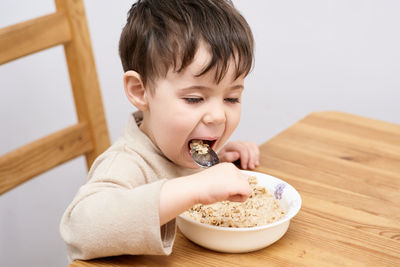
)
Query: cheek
[
  {"x": 172, "y": 139},
  {"x": 237, "y": 117},
  {"x": 174, "y": 127},
  {"x": 234, "y": 119}
]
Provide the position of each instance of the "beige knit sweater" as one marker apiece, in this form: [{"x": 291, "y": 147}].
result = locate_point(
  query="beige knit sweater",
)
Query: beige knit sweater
[{"x": 116, "y": 211}]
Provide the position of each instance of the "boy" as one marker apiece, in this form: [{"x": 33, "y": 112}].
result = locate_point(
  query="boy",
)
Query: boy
[{"x": 185, "y": 62}]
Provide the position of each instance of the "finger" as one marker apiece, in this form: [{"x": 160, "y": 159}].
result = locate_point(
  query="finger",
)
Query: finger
[
  {"x": 230, "y": 156},
  {"x": 244, "y": 157},
  {"x": 248, "y": 153},
  {"x": 238, "y": 198},
  {"x": 257, "y": 152},
  {"x": 254, "y": 152},
  {"x": 242, "y": 149}
]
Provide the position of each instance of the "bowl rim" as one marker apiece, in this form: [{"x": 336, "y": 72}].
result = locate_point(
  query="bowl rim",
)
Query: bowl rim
[{"x": 254, "y": 228}]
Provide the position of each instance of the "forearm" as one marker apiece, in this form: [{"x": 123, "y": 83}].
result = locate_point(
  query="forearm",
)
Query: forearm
[
  {"x": 176, "y": 196},
  {"x": 101, "y": 219},
  {"x": 221, "y": 182}
]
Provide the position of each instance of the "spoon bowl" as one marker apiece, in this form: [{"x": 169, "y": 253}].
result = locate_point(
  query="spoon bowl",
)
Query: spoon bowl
[{"x": 205, "y": 160}]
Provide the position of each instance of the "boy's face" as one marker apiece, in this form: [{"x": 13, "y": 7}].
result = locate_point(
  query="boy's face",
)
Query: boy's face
[{"x": 184, "y": 107}]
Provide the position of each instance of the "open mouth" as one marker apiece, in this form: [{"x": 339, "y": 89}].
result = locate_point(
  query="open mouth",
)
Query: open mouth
[{"x": 201, "y": 145}]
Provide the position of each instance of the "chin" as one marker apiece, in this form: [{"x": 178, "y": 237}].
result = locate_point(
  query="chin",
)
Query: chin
[
  {"x": 186, "y": 163},
  {"x": 190, "y": 165},
  {"x": 194, "y": 167}
]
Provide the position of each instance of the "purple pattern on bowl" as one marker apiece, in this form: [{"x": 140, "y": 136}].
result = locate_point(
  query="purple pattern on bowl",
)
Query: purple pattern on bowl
[{"x": 279, "y": 191}]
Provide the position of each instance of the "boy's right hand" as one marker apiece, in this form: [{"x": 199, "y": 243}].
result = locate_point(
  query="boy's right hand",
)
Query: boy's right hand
[{"x": 223, "y": 181}]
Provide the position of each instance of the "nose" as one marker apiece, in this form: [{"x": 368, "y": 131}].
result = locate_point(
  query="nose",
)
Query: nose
[{"x": 215, "y": 113}]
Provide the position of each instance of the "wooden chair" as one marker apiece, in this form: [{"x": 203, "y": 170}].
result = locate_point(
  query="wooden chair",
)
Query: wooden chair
[{"x": 89, "y": 136}]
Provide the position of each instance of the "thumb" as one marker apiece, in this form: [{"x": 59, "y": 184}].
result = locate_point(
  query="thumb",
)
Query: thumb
[
  {"x": 238, "y": 198},
  {"x": 229, "y": 156}
]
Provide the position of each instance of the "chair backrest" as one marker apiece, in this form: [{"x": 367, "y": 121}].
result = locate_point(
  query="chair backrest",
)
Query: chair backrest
[{"x": 89, "y": 136}]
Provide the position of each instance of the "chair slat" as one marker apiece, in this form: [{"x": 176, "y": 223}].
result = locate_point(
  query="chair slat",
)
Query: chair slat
[
  {"x": 33, "y": 35},
  {"x": 83, "y": 77},
  {"x": 35, "y": 158}
]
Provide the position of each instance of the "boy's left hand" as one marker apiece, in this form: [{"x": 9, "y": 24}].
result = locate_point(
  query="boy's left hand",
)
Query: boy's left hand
[{"x": 247, "y": 152}]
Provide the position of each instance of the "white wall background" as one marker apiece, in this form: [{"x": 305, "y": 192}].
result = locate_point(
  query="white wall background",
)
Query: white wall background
[{"x": 311, "y": 55}]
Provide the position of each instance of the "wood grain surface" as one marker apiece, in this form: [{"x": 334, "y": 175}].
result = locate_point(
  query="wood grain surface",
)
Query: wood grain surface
[
  {"x": 89, "y": 136},
  {"x": 33, "y": 35},
  {"x": 30, "y": 160},
  {"x": 83, "y": 76},
  {"x": 347, "y": 171}
]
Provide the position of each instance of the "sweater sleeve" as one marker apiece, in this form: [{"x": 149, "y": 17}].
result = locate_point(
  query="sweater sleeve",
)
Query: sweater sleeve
[{"x": 116, "y": 213}]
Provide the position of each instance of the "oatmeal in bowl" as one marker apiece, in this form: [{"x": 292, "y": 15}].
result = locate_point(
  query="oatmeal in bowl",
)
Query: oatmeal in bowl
[
  {"x": 238, "y": 227},
  {"x": 261, "y": 208}
]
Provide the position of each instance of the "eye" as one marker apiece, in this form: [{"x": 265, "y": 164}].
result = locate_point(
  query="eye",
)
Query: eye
[
  {"x": 193, "y": 100},
  {"x": 232, "y": 100}
]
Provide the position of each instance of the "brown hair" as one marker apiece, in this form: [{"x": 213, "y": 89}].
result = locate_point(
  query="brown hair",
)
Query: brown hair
[{"x": 164, "y": 34}]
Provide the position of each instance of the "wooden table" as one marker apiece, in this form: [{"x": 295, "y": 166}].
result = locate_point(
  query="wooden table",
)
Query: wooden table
[{"x": 347, "y": 170}]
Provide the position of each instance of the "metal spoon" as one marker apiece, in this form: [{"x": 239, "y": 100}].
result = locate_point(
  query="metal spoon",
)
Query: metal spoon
[{"x": 204, "y": 157}]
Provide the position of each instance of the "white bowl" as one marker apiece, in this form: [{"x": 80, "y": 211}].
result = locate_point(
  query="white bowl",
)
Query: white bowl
[{"x": 240, "y": 240}]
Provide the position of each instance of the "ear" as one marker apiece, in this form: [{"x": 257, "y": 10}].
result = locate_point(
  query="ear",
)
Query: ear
[{"x": 135, "y": 90}]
